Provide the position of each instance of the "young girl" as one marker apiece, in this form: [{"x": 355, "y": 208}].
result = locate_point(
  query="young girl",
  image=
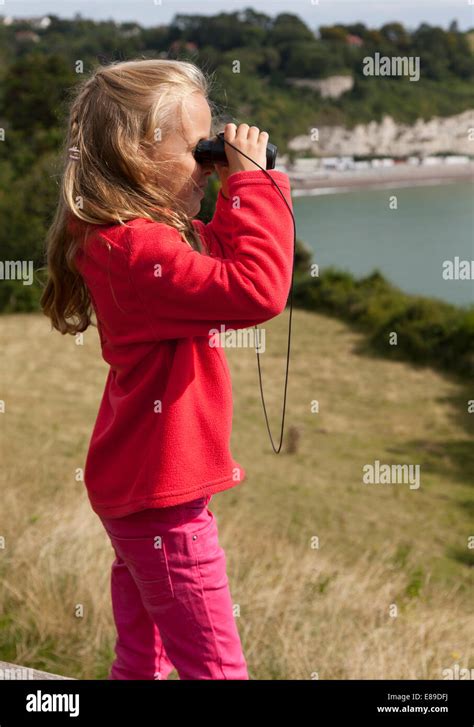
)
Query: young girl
[{"x": 124, "y": 246}]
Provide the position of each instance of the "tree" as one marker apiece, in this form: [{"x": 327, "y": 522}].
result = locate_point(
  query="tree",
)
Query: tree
[
  {"x": 34, "y": 89},
  {"x": 289, "y": 28},
  {"x": 396, "y": 34},
  {"x": 333, "y": 33},
  {"x": 307, "y": 60}
]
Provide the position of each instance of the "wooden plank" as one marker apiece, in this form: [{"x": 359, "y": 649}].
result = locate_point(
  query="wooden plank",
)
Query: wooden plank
[{"x": 14, "y": 671}]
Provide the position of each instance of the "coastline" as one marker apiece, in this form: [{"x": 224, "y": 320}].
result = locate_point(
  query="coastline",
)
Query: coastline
[{"x": 404, "y": 175}]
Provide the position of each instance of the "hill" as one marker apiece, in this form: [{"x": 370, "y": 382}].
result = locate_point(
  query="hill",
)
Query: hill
[{"x": 332, "y": 577}]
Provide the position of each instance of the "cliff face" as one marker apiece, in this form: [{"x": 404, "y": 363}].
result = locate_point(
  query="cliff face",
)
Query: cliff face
[
  {"x": 453, "y": 134},
  {"x": 331, "y": 87}
]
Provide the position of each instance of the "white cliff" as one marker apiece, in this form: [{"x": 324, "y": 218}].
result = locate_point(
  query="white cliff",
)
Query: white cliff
[{"x": 449, "y": 135}]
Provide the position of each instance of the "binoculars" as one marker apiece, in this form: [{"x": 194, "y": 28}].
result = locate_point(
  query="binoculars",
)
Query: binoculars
[{"x": 212, "y": 151}]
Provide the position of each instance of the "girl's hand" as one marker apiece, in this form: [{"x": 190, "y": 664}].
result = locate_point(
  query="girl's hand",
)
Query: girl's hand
[
  {"x": 222, "y": 171},
  {"x": 249, "y": 140}
]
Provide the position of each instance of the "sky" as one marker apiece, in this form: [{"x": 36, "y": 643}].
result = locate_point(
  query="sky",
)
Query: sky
[{"x": 314, "y": 12}]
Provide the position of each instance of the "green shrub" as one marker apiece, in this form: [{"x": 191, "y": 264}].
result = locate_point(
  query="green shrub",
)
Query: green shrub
[
  {"x": 428, "y": 331},
  {"x": 18, "y": 298}
]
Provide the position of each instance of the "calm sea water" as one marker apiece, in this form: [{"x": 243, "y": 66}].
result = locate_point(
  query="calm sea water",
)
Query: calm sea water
[{"x": 358, "y": 232}]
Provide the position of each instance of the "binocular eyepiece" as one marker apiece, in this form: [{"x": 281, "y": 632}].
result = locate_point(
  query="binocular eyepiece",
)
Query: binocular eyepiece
[{"x": 212, "y": 151}]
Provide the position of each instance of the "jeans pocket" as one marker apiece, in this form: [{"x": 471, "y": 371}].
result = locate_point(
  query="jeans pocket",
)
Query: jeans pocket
[
  {"x": 147, "y": 561},
  {"x": 204, "y": 538}
]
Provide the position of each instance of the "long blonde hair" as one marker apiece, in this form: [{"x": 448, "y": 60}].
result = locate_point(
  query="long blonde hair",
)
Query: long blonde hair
[{"x": 107, "y": 175}]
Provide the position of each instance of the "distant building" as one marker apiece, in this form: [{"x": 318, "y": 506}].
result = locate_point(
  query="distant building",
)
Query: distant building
[
  {"x": 354, "y": 40},
  {"x": 305, "y": 164},
  {"x": 362, "y": 164},
  {"x": 431, "y": 161},
  {"x": 457, "y": 159},
  {"x": 341, "y": 164},
  {"x": 27, "y": 36},
  {"x": 382, "y": 163},
  {"x": 180, "y": 45},
  {"x": 40, "y": 23}
]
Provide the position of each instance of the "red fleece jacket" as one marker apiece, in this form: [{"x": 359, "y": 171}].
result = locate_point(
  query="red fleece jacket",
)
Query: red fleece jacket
[{"x": 162, "y": 433}]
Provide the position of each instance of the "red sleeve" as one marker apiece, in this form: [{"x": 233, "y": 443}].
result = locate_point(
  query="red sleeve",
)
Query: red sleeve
[
  {"x": 188, "y": 294},
  {"x": 217, "y": 234}
]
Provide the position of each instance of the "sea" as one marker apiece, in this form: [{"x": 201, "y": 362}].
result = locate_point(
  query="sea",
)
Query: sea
[{"x": 421, "y": 238}]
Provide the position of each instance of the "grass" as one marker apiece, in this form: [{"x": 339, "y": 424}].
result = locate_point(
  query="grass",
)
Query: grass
[{"x": 387, "y": 593}]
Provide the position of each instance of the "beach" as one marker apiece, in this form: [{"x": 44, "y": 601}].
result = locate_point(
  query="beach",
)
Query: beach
[{"x": 400, "y": 175}]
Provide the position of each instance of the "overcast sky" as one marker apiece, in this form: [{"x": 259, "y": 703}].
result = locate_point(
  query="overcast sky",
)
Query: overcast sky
[{"x": 314, "y": 12}]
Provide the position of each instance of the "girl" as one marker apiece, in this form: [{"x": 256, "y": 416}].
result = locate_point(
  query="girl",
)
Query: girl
[{"x": 124, "y": 245}]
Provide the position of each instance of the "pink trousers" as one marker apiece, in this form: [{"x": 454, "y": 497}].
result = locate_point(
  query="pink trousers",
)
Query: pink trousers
[{"x": 170, "y": 596}]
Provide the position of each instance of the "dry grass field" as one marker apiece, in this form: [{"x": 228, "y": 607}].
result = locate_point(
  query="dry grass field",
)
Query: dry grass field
[{"x": 386, "y": 595}]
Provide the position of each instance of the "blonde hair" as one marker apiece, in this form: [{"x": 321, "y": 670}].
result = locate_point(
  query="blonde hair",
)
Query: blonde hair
[{"x": 106, "y": 164}]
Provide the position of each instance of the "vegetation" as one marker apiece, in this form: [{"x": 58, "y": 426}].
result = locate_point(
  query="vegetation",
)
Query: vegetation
[{"x": 428, "y": 332}]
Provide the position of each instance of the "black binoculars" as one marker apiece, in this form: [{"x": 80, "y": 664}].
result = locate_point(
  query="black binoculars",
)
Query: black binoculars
[{"x": 212, "y": 151}]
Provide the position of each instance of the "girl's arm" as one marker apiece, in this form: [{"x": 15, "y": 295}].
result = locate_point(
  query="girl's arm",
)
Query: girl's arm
[
  {"x": 218, "y": 233},
  {"x": 188, "y": 294}
]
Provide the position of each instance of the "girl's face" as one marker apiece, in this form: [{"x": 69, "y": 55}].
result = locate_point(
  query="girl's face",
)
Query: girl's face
[{"x": 188, "y": 178}]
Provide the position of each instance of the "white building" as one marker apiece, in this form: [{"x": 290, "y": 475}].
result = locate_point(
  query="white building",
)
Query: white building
[
  {"x": 459, "y": 159},
  {"x": 40, "y": 23}
]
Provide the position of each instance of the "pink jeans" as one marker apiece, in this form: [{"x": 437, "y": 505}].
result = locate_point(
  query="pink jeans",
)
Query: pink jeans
[{"x": 170, "y": 596}]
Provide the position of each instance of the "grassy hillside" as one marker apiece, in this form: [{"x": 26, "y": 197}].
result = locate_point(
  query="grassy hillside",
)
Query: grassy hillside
[{"x": 303, "y": 610}]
